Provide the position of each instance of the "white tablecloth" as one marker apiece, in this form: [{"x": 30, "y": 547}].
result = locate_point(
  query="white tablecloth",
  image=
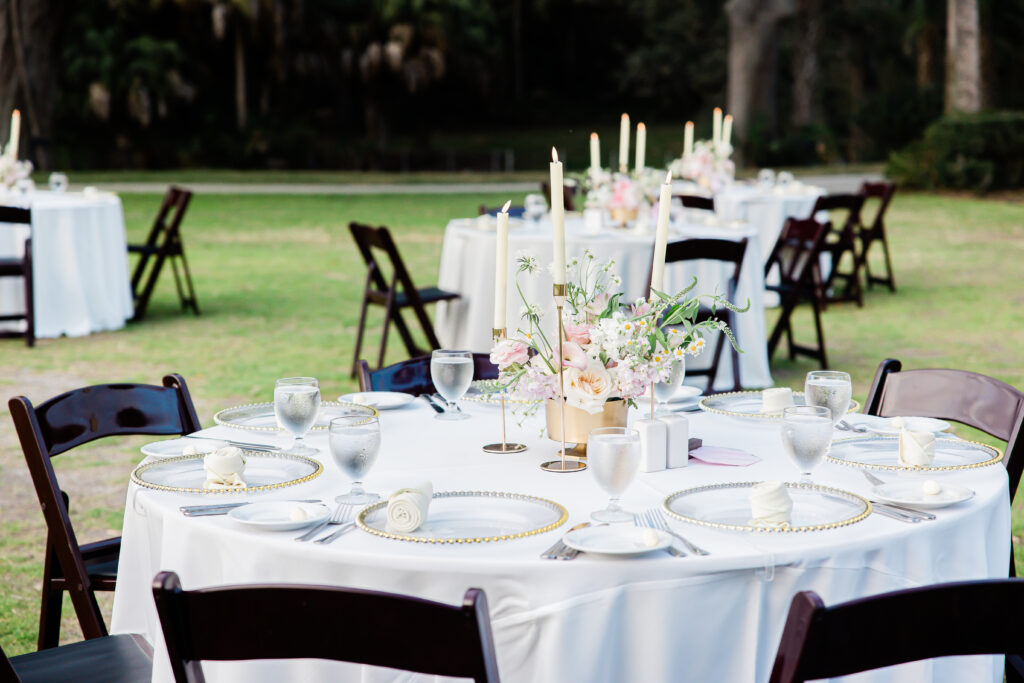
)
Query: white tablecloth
[
  {"x": 655, "y": 618},
  {"x": 467, "y": 267},
  {"x": 80, "y": 262},
  {"x": 766, "y": 211}
]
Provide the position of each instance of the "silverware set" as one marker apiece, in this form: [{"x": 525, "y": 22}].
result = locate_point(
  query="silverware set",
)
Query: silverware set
[
  {"x": 560, "y": 551},
  {"x": 437, "y": 402},
  {"x": 655, "y": 519},
  {"x": 894, "y": 511},
  {"x": 221, "y": 508},
  {"x": 845, "y": 426},
  {"x": 244, "y": 445},
  {"x": 342, "y": 516}
]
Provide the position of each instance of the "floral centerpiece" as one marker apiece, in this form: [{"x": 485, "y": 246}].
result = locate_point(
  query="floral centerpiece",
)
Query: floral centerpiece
[
  {"x": 12, "y": 170},
  {"x": 609, "y": 351},
  {"x": 709, "y": 165},
  {"x": 625, "y": 196}
]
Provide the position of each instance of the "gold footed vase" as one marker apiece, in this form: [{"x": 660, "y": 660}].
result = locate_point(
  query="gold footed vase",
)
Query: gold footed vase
[
  {"x": 623, "y": 217},
  {"x": 579, "y": 423}
]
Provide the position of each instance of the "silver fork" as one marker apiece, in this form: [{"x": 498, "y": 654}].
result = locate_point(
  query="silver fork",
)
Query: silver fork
[
  {"x": 316, "y": 529},
  {"x": 658, "y": 522},
  {"x": 644, "y": 521},
  {"x": 846, "y": 426},
  {"x": 900, "y": 509},
  {"x": 342, "y": 517}
]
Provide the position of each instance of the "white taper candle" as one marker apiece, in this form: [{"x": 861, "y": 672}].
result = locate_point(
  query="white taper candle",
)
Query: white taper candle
[
  {"x": 716, "y": 130},
  {"x": 12, "y": 146},
  {"x": 595, "y": 154},
  {"x": 727, "y": 131},
  {"x": 501, "y": 268},
  {"x": 624, "y": 143},
  {"x": 641, "y": 146},
  {"x": 661, "y": 237},
  {"x": 688, "y": 140},
  {"x": 557, "y": 219}
]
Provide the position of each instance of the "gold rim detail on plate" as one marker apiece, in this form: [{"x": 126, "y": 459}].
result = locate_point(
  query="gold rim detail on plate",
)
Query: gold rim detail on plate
[
  {"x": 318, "y": 469},
  {"x": 851, "y": 497},
  {"x": 916, "y": 468},
  {"x": 491, "y": 397},
  {"x": 854, "y": 406},
  {"x": 219, "y": 419},
  {"x": 563, "y": 517}
]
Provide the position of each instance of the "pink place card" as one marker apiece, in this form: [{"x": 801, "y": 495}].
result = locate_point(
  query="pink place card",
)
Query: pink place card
[{"x": 724, "y": 457}]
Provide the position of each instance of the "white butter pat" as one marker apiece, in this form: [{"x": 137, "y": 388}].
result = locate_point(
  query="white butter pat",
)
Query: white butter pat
[
  {"x": 774, "y": 400},
  {"x": 298, "y": 514},
  {"x": 770, "y": 504},
  {"x": 917, "y": 449},
  {"x": 651, "y": 538},
  {"x": 931, "y": 488},
  {"x": 224, "y": 468},
  {"x": 190, "y": 450}
]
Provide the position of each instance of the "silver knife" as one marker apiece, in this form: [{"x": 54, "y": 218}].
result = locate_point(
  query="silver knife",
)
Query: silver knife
[
  {"x": 560, "y": 551},
  {"x": 430, "y": 402},
  {"x": 886, "y": 511},
  {"x": 327, "y": 539},
  {"x": 238, "y": 444},
  {"x": 909, "y": 510},
  {"x": 224, "y": 508}
]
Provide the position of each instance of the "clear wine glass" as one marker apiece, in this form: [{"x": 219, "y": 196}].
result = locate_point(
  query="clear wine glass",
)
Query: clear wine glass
[
  {"x": 613, "y": 455},
  {"x": 664, "y": 391},
  {"x": 784, "y": 180},
  {"x": 766, "y": 179},
  {"x": 806, "y": 436},
  {"x": 831, "y": 389},
  {"x": 452, "y": 373},
  {"x": 296, "y": 407},
  {"x": 58, "y": 181},
  {"x": 354, "y": 441}
]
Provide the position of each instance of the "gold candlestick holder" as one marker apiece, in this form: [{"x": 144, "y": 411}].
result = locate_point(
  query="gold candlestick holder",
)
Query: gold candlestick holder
[
  {"x": 563, "y": 464},
  {"x": 504, "y": 446}
]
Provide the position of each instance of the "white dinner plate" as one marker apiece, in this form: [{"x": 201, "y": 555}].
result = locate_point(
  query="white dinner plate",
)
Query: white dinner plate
[
  {"x": 276, "y": 515},
  {"x": 381, "y": 400},
  {"x": 170, "y": 448},
  {"x": 617, "y": 539},
  {"x": 911, "y": 494}
]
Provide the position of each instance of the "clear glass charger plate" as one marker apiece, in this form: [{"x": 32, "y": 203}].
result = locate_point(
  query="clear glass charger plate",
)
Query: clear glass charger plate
[
  {"x": 489, "y": 391},
  {"x": 881, "y": 452},
  {"x": 472, "y": 517},
  {"x": 747, "y": 404},
  {"x": 260, "y": 416},
  {"x": 263, "y": 472},
  {"x": 727, "y": 506}
]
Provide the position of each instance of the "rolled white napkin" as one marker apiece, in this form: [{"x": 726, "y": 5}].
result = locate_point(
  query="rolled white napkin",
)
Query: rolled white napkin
[
  {"x": 770, "y": 504},
  {"x": 774, "y": 400},
  {"x": 407, "y": 508},
  {"x": 916, "y": 448},
  {"x": 224, "y": 468}
]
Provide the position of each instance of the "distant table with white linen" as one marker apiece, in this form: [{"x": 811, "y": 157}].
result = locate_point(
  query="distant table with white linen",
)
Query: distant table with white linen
[
  {"x": 766, "y": 210},
  {"x": 654, "y": 618},
  {"x": 80, "y": 263},
  {"x": 467, "y": 267}
]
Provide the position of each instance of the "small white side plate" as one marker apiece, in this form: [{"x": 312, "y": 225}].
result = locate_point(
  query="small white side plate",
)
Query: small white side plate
[
  {"x": 381, "y": 400},
  {"x": 171, "y": 448},
  {"x": 276, "y": 515},
  {"x": 911, "y": 494},
  {"x": 685, "y": 394},
  {"x": 616, "y": 539},
  {"x": 883, "y": 425}
]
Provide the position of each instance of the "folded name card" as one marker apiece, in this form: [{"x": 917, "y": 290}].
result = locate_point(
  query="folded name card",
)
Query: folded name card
[{"x": 723, "y": 457}]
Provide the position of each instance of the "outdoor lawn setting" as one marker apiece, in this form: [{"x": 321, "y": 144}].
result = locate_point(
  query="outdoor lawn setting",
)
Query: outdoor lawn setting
[{"x": 647, "y": 429}]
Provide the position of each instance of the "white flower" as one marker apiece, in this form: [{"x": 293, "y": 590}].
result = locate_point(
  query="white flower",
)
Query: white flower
[
  {"x": 588, "y": 389},
  {"x": 527, "y": 262}
]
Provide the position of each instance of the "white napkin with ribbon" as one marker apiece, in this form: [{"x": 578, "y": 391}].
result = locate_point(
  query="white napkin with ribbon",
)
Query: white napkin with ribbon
[
  {"x": 916, "y": 448},
  {"x": 224, "y": 468},
  {"x": 407, "y": 508},
  {"x": 774, "y": 400},
  {"x": 770, "y": 504}
]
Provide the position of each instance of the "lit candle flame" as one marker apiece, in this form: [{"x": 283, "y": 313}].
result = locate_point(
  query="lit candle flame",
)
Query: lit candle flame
[
  {"x": 504, "y": 209},
  {"x": 728, "y": 117},
  {"x": 689, "y": 124},
  {"x": 625, "y": 116},
  {"x": 554, "y": 155},
  {"x": 593, "y": 136},
  {"x": 718, "y": 110},
  {"x": 641, "y": 126},
  {"x": 668, "y": 176}
]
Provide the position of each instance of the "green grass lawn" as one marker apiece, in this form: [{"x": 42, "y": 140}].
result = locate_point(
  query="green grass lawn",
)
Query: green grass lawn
[{"x": 279, "y": 281}]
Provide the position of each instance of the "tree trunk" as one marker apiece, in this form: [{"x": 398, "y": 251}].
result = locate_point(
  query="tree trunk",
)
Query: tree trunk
[
  {"x": 806, "y": 68},
  {"x": 963, "y": 57},
  {"x": 241, "y": 113},
  {"x": 926, "y": 58}
]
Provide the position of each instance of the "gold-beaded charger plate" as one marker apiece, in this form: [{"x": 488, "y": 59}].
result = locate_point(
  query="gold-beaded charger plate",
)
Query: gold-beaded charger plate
[
  {"x": 471, "y": 517},
  {"x": 727, "y": 507},
  {"x": 881, "y": 453},
  {"x": 747, "y": 404},
  {"x": 488, "y": 391},
  {"x": 263, "y": 472},
  {"x": 260, "y": 416}
]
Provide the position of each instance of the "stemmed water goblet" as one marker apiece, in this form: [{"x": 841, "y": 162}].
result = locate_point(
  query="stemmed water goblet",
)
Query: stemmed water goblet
[
  {"x": 452, "y": 373},
  {"x": 354, "y": 441},
  {"x": 831, "y": 389},
  {"x": 613, "y": 455},
  {"x": 766, "y": 179},
  {"x": 296, "y": 407},
  {"x": 664, "y": 391},
  {"x": 806, "y": 436}
]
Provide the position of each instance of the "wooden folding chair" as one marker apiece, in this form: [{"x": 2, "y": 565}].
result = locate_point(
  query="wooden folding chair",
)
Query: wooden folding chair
[
  {"x": 969, "y": 398},
  {"x": 164, "y": 243},
  {"x": 568, "y": 194},
  {"x": 395, "y": 295},
  {"x": 868, "y": 235},
  {"x": 55, "y": 427},
  {"x": 696, "y": 201},
  {"x": 796, "y": 255},
  {"x": 258, "y": 622},
  {"x": 20, "y": 268},
  {"x": 110, "y": 659},
  {"x": 413, "y": 376},
  {"x": 839, "y": 242},
  {"x": 898, "y": 627},
  {"x": 726, "y": 251}
]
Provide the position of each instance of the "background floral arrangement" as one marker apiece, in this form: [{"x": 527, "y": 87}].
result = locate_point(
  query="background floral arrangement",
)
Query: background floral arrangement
[
  {"x": 609, "y": 351},
  {"x": 610, "y": 191},
  {"x": 11, "y": 171},
  {"x": 709, "y": 166}
]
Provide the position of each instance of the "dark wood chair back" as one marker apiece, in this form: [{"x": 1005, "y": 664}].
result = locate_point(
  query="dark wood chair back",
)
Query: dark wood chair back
[
  {"x": 568, "y": 194},
  {"x": 59, "y": 425},
  {"x": 695, "y": 201},
  {"x": 863, "y": 635},
  {"x": 413, "y": 376},
  {"x": 258, "y": 622},
  {"x": 840, "y": 241},
  {"x": 883, "y": 192},
  {"x": 19, "y": 268},
  {"x": 876, "y": 232},
  {"x": 7, "y": 672},
  {"x": 164, "y": 243}
]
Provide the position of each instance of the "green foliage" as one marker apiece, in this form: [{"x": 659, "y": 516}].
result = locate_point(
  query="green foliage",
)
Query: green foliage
[{"x": 978, "y": 152}]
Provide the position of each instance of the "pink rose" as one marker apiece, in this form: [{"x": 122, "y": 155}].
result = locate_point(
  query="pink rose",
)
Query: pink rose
[
  {"x": 573, "y": 356},
  {"x": 579, "y": 334},
  {"x": 508, "y": 352}
]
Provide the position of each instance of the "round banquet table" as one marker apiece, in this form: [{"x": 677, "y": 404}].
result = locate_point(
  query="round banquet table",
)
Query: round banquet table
[
  {"x": 766, "y": 211},
  {"x": 79, "y": 260},
  {"x": 651, "y": 618},
  {"x": 467, "y": 267}
]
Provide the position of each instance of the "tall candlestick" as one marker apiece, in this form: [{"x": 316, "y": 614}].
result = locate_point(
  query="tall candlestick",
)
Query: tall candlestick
[
  {"x": 501, "y": 268},
  {"x": 727, "y": 131},
  {"x": 688, "y": 140},
  {"x": 624, "y": 143},
  {"x": 595, "y": 154},
  {"x": 641, "y": 146},
  {"x": 12, "y": 146},
  {"x": 661, "y": 237},
  {"x": 716, "y": 134},
  {"x": 558, "y": 218}
]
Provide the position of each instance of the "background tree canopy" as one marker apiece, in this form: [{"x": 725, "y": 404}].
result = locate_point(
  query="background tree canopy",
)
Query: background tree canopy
[{"x": 406, "y": 84}]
